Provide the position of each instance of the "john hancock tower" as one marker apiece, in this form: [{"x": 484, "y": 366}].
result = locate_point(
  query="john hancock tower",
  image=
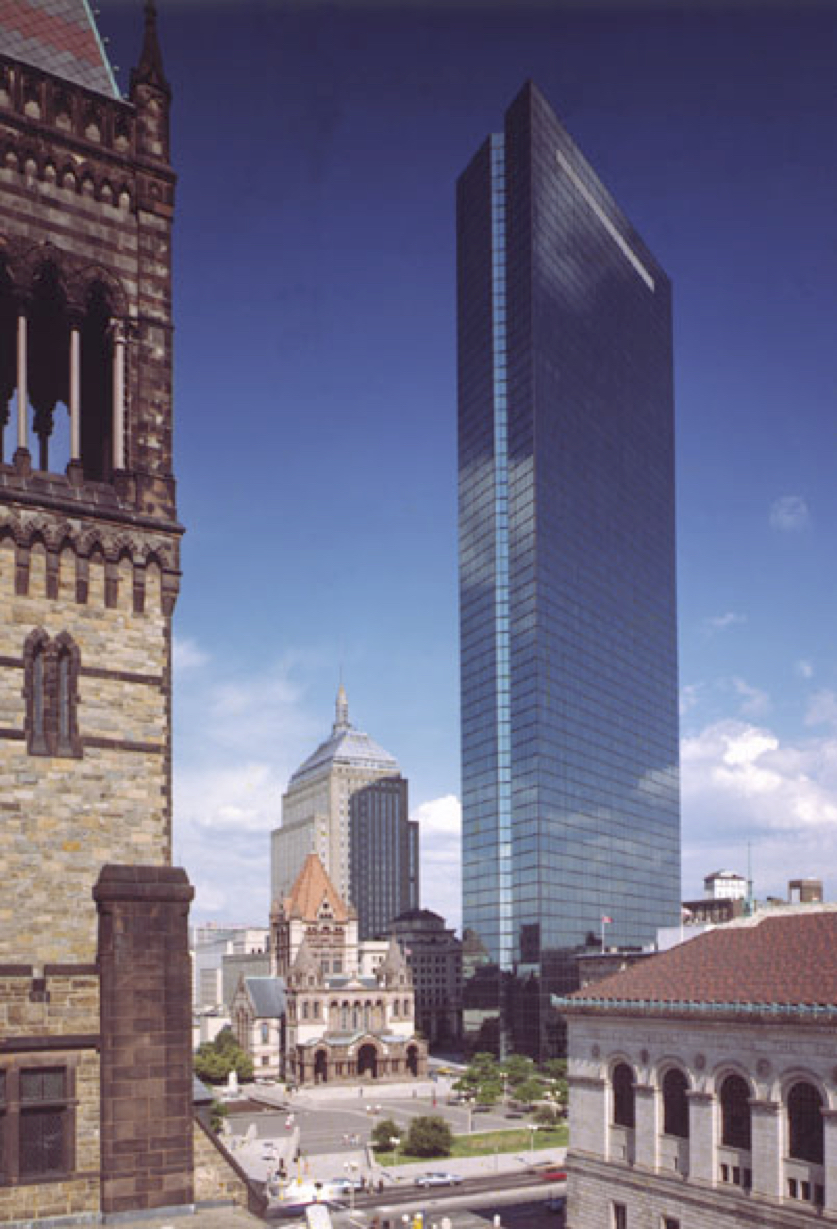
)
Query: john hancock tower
[{"x": 570, "y": 767}]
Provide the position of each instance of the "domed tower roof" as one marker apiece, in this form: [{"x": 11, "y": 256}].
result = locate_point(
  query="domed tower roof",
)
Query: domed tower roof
[{"x": 346, "y": 745}]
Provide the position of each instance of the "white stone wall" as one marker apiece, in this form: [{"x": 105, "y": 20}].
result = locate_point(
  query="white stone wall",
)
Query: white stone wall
[{"x": 655, "y": 1175}]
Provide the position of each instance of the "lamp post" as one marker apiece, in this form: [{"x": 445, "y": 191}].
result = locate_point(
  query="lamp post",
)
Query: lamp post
[
  {"x": 395, "y": 1140},
  {"x": 349, "y": 1166},
  {"x": 533, "y": 1127}
]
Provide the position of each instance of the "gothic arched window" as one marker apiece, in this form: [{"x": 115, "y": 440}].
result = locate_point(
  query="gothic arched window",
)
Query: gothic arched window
[
  {"x": 735, "y": 1113},
  {"x": 805, "y": 1124},
  {"x": 51, "y": 669}
]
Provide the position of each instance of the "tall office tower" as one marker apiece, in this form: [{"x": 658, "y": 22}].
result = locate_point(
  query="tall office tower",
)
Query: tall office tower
[
  {"x": 315, "y": 806},
  {"x": 567, "y": 578},
  {"x": 383, "y": 855}
]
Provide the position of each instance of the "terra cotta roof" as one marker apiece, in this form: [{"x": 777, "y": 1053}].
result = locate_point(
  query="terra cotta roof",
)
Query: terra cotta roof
[
  {"x": 785, "y": 959},
  {"x": 311, "y": 887},
  {"x": 60, "y": 37}
]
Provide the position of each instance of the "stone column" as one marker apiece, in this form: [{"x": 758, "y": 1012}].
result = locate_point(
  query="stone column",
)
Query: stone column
[
  {"x": 830, "y": 1158},
  {"x": 147, "y": 1119},
  {"x": 22, "y": 384},
  {"x": 646, "y": 1109},
  {"x": 588, "y": 1112},
  {"x": 702, "y": 1137},
  {"x": 75, "y": 393},
  {"x": 766, "y": 1147},
  {"x": 118, "y": 395}
]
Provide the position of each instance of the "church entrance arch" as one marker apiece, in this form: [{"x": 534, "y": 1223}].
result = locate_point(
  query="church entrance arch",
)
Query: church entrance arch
[
  {"x": 320, "y": 1067},
  {"x": 367, "y": 1061},
  {"x": 412, "y": 1060}
]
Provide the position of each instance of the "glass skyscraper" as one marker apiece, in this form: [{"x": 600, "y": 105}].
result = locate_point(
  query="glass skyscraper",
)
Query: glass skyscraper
[{"x": 570, "y": 774}]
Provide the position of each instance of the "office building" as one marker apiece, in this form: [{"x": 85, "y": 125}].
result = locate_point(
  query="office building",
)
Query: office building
[
  {"x": 315, "y": 806},
  {"x": 383, "y": 855},
  {"x": 434, "y": 955},
  {"x": 570, "y": 777}
]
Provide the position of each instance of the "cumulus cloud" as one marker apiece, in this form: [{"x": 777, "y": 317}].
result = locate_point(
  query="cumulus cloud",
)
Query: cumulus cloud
[
  {"x": 690, "y": 695},
  {"x": 804, "y": 669},
  {"x": 742, "y": 786},
  {"x": 440, "y": 825},
  {"x": 789, "y": 513},
  {"x": 719, "y": 623}
]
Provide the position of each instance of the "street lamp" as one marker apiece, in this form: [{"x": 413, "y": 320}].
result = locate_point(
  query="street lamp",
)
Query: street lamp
[
  {"x": 533, "y": 1127},
  {"x": 395, "y": 1140}
]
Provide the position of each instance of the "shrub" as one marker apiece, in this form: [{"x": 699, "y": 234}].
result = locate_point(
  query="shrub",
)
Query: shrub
[
  {"x": 383, "y": 1132},
  {"x": 430, "y": 1136}
]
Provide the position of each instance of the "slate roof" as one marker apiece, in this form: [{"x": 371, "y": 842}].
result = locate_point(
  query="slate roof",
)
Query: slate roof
[
  {"x": 60, "y": 37},
  {"x": 268, "y": 996},
  {"x": 782, "y": 960},
  {"x": 311, "y": 887}
]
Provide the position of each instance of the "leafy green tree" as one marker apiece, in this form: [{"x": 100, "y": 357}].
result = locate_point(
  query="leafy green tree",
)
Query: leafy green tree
[
  {"x": 518, "y": 1067},
  {"x": 489, "y": 1093},
  {"x": 547, "y": 1115},
  {"x": 215, "y": 1060},
  {"x": 384, "y": 1132},
  {"x": 530, "y": 1090},
  {"x": 218, "y": 1112},
  {"x": 554, "y": 1068},
  {"x": 429, "y": 1136}
]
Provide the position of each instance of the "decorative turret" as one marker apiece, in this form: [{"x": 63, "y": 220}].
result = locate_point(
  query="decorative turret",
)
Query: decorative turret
[
  {"x": 151, "y": 94},
  {"x": 393, "y": 969},
  {"x": 305, "y": 970}
]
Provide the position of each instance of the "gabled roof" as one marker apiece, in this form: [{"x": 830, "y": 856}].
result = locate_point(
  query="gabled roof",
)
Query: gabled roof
[
  {"x": 311, "y": 888},
  {"x": 775, "y": 962},
  {"x": 267, "y": 995},
  {"x": 60, "y": 37}
]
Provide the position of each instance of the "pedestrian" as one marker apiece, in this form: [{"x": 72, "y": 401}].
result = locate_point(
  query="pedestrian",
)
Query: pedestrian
[{"x": 380, "y": 1186}]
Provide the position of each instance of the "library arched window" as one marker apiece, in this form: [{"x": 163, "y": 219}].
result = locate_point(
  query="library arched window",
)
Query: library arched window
[
  {"x": 735, "y": 1113},
  {"x": 805, "y": 1124},
  {"x": 623, "y": 1095},
  {"x": 675, "y": 1104}
]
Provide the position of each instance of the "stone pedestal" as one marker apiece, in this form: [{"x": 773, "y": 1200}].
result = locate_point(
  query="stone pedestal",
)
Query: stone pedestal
[{"x": 146, "y": 1055}]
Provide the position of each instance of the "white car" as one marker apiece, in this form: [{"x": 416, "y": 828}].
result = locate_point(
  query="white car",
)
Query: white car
[{"x": 437, "y": 1179}]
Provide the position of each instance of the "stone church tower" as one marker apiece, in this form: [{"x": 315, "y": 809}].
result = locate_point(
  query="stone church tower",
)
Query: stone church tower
[{"x": 95, "y": 1047}]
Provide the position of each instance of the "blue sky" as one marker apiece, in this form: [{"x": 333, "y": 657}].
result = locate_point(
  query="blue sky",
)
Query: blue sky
[{"x": 317, "y": 148}]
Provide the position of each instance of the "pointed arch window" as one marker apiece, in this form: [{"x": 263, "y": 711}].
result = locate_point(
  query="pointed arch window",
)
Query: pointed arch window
[{"x": 51, "y": 670}]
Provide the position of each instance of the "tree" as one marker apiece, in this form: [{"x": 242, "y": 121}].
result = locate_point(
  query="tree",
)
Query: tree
[
  {"x": 430, "y": 1136},
  {"x": 518, "y": 1067},
  {"x": 555, "y": 1068},
  {"x": 384, "y": 1132},
  {"x": 529, "y": 1090},
  {"x": 215, "y": 1060},
  {"x": 489, "y": 1093},
  {"x": 546, "y": 1115}
]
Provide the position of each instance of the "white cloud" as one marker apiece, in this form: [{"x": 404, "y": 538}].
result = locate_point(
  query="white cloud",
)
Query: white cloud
[
  {"x": 440, "y": 825},
  {"x": 822, "y": 709},
  {"x": 690, "y": 695},
  {"x": 742, "y": 785},
  {"x": 187, "y": 654},
  {"x": 804, "y": 669},
  {"x": 789, "y": 513},
  {"x": 754, "y": 702},
  {"x": 719, "y": 623}
]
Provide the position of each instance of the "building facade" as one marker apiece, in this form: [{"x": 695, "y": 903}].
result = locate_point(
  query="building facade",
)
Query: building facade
[
  {"x": 570, "y": 778},
  {"x": 257, "y": 1016},
  {"x": 341, "y": 1024},
  {"x": 434, "y": 955},
  {"x": 703, "y": 1089},
  {"x": 94, "y": 962},
  {"x": 315, "y": 806},
  {"x": 383, "y": 855}
]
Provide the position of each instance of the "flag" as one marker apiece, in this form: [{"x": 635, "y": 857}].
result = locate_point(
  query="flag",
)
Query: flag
[{"x": 607, "y": 921}]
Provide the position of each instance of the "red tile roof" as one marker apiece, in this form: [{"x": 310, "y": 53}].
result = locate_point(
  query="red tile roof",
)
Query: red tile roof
[
  {"x": 311, "y": 888},
  {"x": 780, "y": 959},
  {"x": 59, "y": 36}
]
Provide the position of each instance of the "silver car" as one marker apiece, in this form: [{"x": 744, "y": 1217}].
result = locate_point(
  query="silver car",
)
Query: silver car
[{"x": 438, "y": 1179}]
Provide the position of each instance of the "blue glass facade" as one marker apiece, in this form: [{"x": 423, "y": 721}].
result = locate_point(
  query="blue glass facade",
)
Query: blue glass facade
[{"x": 570, "y": 777}]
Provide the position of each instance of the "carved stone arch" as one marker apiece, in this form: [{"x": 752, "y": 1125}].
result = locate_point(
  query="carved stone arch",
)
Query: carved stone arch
[
  {"x": 68, "y": 176},
  {"x": 38, "y": 530},
  {"x": 87, "y": 276},
  {"x": 36, "y": 690},
  {"x": 106, "y": 192},
  {"x": 730, "y": 1067},
  {"x": 798, "y": 1074},
  {"x": 668, "y": 1062},
  {"x": 11, "y": 158},
  {"x": 30, "y": 264},
  {"x": 124, "y": 546},
  {"x": 89, "y": 542}
]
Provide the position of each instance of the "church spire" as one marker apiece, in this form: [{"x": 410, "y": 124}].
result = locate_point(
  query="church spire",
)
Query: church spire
[
  {"x": 341, "y": 711},
  {"x": 149, "y": 71}
]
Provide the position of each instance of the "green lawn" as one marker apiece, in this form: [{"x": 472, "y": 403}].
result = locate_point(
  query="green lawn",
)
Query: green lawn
[{"x": 516, "y": 1140}]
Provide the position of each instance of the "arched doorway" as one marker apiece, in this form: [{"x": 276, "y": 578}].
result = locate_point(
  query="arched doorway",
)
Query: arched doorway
[
  {"x": 320, "y": 1067},
  {"x": 412, "y": 1060},
  {"x": 367, "y": 1061}
]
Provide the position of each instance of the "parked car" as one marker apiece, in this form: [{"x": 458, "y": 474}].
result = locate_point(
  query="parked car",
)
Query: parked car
[
  {"x": 553, "y": 1175},
  {"x": 342, "y": 1186},
  {"x": 438, "y": 1179}
]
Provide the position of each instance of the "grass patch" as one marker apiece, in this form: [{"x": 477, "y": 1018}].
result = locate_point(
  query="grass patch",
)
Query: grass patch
[{"x": 486, "y": 1143}]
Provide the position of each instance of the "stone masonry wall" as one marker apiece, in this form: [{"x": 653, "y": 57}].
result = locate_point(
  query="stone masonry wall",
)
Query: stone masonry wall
[{"x": 64, "y": 817}]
